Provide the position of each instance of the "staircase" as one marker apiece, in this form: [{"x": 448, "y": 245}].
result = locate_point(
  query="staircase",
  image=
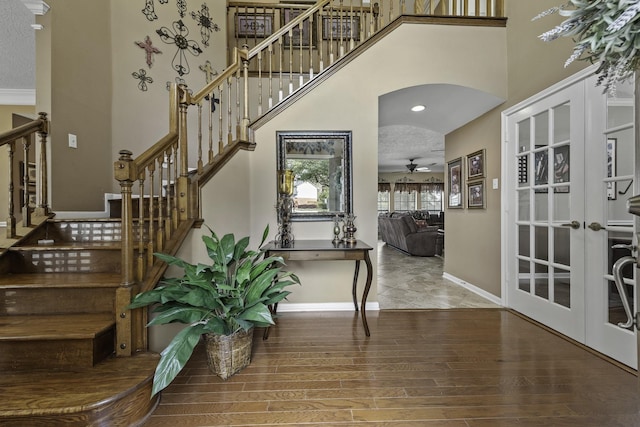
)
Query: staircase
[
  {"x": 71, "y": 353},
  {"x": 57, "y": 326}
]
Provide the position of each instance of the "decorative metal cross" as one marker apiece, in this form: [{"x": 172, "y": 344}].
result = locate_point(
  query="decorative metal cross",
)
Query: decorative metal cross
[
  {"x": 149, "y": 49},
  {"x": 208, "y": 71},
  {"x": 141, "y": 75}
]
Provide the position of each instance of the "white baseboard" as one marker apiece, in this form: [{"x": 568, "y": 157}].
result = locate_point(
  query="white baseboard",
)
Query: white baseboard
[
  {"x": 326, "y": 306},
  {"x": 476, "y": 290}
]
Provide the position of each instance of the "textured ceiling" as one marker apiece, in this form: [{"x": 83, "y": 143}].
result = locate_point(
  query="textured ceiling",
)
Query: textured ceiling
[
  {"x": 404, "y": 135},
  {"x": 17, "y": 46}
]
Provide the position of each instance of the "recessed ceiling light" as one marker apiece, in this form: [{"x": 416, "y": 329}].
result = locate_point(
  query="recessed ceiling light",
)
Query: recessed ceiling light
[{"x": 418, "y": 108}]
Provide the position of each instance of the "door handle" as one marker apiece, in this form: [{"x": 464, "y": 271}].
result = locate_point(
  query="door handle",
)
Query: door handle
[
  {"x": 573, "y": 224},
  {"x": 595, "y": 226},
  {"x": 622, "y": 290}
]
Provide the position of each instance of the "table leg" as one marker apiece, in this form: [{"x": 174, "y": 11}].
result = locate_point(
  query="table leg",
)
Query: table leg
[
  {"x": 274, "y": 310},
  {"x": 367, "y": 286},
  {"x": 355, "y": 284}
]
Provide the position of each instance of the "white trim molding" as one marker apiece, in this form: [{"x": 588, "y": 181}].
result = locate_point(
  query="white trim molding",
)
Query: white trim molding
[
  {"x": 328, "y": 306},
  {"x": 37, "y": 7},
  {"x": 17, "y": 96},
  {"x": 476, "y": 290}
]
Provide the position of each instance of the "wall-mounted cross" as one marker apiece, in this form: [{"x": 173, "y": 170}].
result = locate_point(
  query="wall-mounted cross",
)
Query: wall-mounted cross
[
  {"x": 149, "y": 49},
  {"x": 209, "y": 72}
]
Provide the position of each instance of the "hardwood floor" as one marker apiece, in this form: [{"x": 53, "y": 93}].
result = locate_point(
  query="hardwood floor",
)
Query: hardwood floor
[{"x": 449, "y": 368}]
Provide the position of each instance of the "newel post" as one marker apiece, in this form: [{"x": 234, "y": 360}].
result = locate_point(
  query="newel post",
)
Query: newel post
[
  {"x": 244, "y": 127},
  {"x": 43, "y": 208},
  {"x": 182, "y": 186},
  {"x": 124, "y": 172}
]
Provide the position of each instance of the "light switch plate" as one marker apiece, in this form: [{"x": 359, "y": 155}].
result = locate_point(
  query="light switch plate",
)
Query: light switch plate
[
  {"x": 73, "y": 141},
  {"x": 495, "y": 183}
]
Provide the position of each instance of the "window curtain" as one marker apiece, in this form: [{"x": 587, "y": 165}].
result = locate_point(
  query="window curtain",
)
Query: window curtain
[
  {"x": 431, "y": 187},
  {"x": 407, "y": 187},
  {"x": 384, "y": 187}
]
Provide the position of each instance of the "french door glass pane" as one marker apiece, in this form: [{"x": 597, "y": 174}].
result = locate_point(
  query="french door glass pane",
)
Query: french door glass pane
[
  {"x": 524, "y": 275},
  {"x": 523, "y": 205},
  {"x": 541, "y": 243},
  {"x": 561, "y": 247},
  {"x": 541, "y": 204},
  {"x": 561, "y": 207},
  {"x": 524, "y": 135},
  {"x": 618, "y": 238},
  {"x": 561, "y": 123},
  {"x": 562, "y": 287},
  {"x": 616, "y": 309},
  {"x": 524, "y": 240},
  {"x": 561, "y": 171},
  {"x": 542, "y": 281},
  {"x": 541, "y": 129}
]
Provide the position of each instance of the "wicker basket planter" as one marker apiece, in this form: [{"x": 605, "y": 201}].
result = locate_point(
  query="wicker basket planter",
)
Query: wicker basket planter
[{"x": 228, "y": 354}]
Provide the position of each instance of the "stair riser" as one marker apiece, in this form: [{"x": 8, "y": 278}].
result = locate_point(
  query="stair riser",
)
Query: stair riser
[
  {"x": 80, "y": 231},
  {"x": 56, "y": 301},
  {"x": 56, "y": 354},
  {"x": 66, "y": 261}
]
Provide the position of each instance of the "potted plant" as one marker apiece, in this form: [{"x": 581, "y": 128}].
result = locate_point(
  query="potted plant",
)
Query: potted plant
[{"x": 222, "y": 300}]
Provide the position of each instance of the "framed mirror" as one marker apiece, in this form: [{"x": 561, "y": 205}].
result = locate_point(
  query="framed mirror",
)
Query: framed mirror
[{"x": 321, "y": 163}]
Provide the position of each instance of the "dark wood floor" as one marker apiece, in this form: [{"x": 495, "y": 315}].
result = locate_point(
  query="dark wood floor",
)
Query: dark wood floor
[{"x": 449, "y": 368}]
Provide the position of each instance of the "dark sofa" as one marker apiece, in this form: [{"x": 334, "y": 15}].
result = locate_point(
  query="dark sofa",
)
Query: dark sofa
[{"x": 402, "y": 232}]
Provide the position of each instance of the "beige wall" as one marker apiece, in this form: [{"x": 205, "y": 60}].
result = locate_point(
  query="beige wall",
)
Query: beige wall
[
  {"x": 472, "y": 238},
  {"x": 6, "y": 114},
  {"x": 348, "y": 100},
  {"x": 77, "y": 95}
]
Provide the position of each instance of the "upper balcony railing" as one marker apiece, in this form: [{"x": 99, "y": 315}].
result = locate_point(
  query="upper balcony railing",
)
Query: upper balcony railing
[{"x": 284, "y": 58}]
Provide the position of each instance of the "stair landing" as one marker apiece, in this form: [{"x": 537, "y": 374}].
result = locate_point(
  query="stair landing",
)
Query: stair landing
[{"x": 116, "y": 392}]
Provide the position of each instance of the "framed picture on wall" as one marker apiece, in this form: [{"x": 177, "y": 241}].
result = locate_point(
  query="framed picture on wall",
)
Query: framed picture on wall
[
  {"x": 476, "y": 165},
  {"x": 340, "y": 28},
  {"x": 476, "y": 195},
  {"x": 455, "y": 191},
  {"x": 305, "y": 36},
  {"x": 259, "y": 25}
]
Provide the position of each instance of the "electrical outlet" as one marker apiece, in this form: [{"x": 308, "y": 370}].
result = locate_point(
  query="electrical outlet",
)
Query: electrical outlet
[{"x": 73, "y": 141}]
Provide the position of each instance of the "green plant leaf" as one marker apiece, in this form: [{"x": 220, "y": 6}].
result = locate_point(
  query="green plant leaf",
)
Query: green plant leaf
[
  {"x": 171, "y": 260},
  {"x": 175, "y": 356},
  {"x": 259, "y": 314},
  {"x": 240, "y": 248},
  {"x": 187, "y": 315},
  {"x": 260, "y": 284},
  {"x": 226, "y": 248}
]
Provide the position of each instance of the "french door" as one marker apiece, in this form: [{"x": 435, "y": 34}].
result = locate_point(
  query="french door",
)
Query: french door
[{"x": 569, "y": 165}]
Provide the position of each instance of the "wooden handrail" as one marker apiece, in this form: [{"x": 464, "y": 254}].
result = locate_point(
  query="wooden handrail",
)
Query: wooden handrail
[{"x": 26, "y": 132}]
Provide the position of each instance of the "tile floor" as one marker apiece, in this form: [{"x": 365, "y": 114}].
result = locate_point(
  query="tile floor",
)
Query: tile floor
[{"x": 412, "y": 282}]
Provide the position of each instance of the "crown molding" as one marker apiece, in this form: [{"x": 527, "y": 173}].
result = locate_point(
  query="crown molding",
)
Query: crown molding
[
  {"x": 17, "y": 97},
  {"x": 37, "y": 7}
]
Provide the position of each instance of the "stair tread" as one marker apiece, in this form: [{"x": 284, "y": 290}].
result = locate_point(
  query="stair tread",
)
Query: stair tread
[
  {"x": 37, "y": 392},
  {"x": 60, "y": 280},
  {"x": 73, "y": 246},
  {"x": 54, "y": 327}
]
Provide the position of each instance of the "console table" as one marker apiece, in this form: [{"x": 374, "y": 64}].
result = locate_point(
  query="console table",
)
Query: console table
[{"x": 326, "y": 250}]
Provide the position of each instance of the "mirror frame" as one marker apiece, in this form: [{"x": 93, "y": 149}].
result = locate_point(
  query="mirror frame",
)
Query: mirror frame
[{"x": 347, "y": 191}]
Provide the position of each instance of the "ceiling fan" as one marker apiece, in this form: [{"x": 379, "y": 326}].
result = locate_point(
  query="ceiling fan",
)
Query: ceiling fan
[{"x": 414, "y": 167}]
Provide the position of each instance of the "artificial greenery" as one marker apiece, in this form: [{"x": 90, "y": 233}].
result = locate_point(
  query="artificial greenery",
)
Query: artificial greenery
[
  {"x": 604, "y": 31},
  {"x": 231, "y": 293}
]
